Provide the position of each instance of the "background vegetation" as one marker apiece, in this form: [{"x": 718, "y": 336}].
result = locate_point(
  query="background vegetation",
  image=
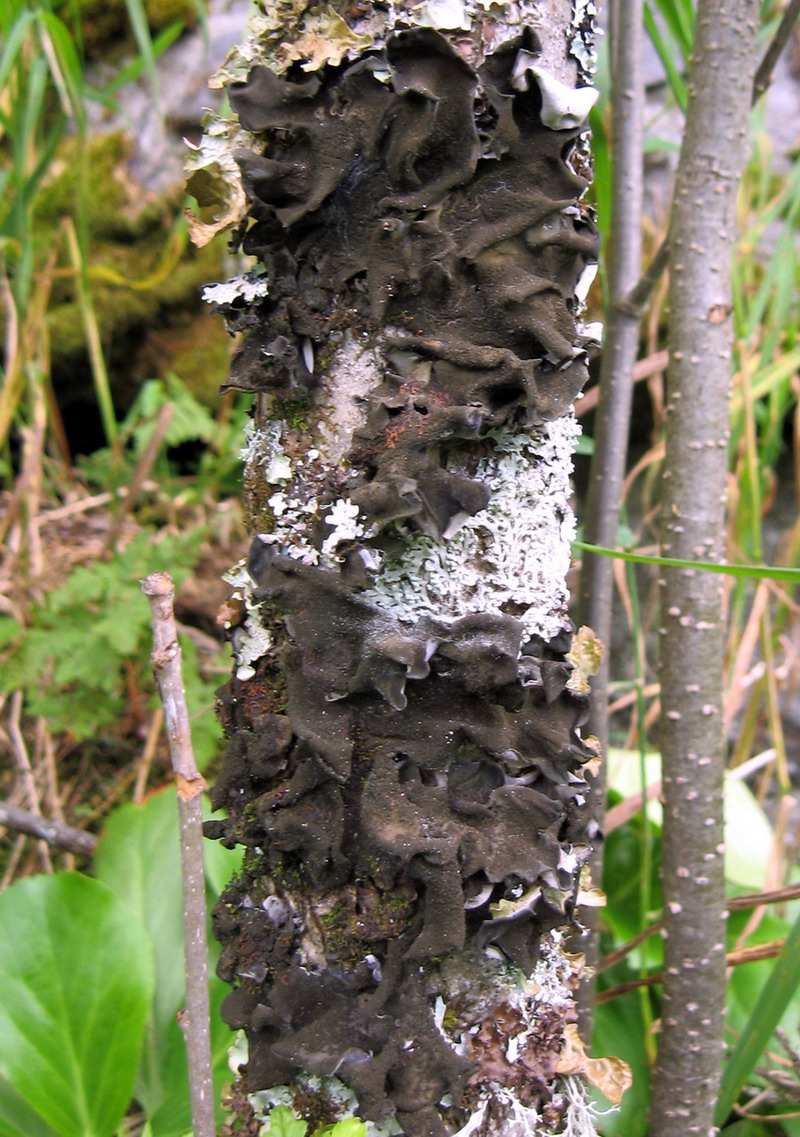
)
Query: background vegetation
[{"x": 118, "y": 459}]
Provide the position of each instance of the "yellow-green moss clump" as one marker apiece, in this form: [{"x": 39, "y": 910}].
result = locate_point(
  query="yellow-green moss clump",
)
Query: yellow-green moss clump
[{"x": 144, "y": 276}]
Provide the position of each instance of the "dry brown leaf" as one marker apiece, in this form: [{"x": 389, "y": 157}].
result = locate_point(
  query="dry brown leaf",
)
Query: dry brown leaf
[
  {"x": 612, "y": 1076},
  {"x": 585, "y": 655}
]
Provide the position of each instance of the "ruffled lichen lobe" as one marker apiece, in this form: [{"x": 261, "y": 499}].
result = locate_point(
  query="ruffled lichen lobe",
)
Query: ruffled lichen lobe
[{"x": 414, "y": 801}]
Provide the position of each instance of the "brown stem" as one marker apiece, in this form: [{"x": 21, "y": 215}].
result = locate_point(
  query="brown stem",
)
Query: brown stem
[
  {"x": 166, "y": 663},
  {"x": 612, "y": 420},
  {"x": 772, "y": 54},
  {"x": 53, "y": 832},
  {"x": 732, "y": 959}
]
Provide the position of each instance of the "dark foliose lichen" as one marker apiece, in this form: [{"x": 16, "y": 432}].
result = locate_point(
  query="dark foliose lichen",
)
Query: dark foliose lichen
[{"x": 420, "y": 796}]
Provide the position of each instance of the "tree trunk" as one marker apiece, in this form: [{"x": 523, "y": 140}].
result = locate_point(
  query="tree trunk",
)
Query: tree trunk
[
  {"x": 405, "y": 762},
  {"x": 702, "y": 235}
]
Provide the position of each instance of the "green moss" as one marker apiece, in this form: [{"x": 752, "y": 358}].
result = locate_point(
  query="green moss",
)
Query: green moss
[
  {"x": 144, "y": 277},
  {"x": 294, "y": 412},
  {"x": 105, "y": 26},
  {"x": 196, "y": 348}
]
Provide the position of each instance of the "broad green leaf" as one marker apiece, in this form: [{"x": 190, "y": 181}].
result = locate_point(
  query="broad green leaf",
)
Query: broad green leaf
[
  {"x": 619, "y": 1030},
  {"x": 138, "y": 858},
  {"x": 174, "y": 1118},
  {"x": 347, "y": 1127},
  {"x": 748, "y": 834},
  {"x": 749, "y": 837},
  {"x": 77, "y": 979},
  {"x": 283, "y": 1123},
  {"x": 17, "y": 1119},
  {"x": 221, "y": 864}
]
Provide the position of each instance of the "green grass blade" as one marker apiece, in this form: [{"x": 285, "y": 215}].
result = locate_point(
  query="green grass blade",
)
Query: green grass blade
[
  {"x": 136, "y": 68},
  {"x": 767, "y": 1013},
  {"x": 676, "y": 79},
  {"x": 65, "y": 66},
  {"x": 141, "y": 30},
  {"x": 758, "y": 572},
  {"x": 12, "y": 46}
]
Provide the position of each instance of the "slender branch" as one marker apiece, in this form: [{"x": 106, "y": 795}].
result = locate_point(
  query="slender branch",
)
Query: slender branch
[
  {"x": 638, "y": 297},
  {"x": 772, "y": 54},
  {"x": 53, "y": 832},
  {"x": 732, "y": 959},
  {"x": 166, "y": 663},
  {"x": 735, "y": 903},
  {"x": 20, "y": 751},
  {"x": 686, "y": 1077},
  {"x": 612, "y": 420},
  {"x": 621, "y": 339}
]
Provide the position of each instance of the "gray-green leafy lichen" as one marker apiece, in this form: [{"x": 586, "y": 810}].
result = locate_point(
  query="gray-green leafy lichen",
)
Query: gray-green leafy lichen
[{"x": 416, "y": 800}]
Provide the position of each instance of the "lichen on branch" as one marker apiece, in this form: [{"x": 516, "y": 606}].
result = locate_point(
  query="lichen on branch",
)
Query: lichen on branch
[{"x": 405, "y": 762}]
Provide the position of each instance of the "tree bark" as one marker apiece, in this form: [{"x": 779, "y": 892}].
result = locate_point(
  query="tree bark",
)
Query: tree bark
[
  {"x": 405, "y": 761},
  {"x": 686, "y": 1076},
  {"x": 613, "y": 417}
]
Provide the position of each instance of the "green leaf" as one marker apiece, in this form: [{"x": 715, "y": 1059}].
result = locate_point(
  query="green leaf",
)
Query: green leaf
[
  {"x": 76, "y": 977},
  {"x": 347, "y": 1127},
  {"x": 173, "y": 1118},
  {"x": 283, "y": 1123},
  {"x": 775, "y": 996},
  {"x": 138, "y": 858},
  {"x": 619, "y": 1030},
  {"x": 17, "y": 1119}
]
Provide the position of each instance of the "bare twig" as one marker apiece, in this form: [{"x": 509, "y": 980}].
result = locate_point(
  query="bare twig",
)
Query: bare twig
[
  {"x": 166, "y": 662},
  {"x": 13, "y": 860},
  {"x": 146, "y": 760},
  {"x": 55, "y": 833},
  {"x": 772, "y": 54},
  {"x": 734, "y": 903},
  {"x": 612, "y": 421},
  {"x": 732, "y": 959},
  {"x": 26, "y": 773}
]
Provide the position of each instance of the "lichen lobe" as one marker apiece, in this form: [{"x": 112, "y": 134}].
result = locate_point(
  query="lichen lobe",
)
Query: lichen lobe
[{"x": 418, "y": 799}]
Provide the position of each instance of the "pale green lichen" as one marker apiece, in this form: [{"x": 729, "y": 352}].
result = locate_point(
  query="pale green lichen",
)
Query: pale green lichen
[
  {"x": 251, "y": 640},
  {"x": 247, "y": 288},
  {"x": 512, "y": 556},
  {"x": 582, "y": 1115}
]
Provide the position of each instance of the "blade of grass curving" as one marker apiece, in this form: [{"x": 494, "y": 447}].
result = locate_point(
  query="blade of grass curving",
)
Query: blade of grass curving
[
  {"x": 137, "y": 67},
  {"x": 12, "y": 45},
  {"x": 141, "y": 30},
  {"x": 779, "y": 988},
  {"x": 201, "y": 8},
  {"x": 100, "y": 377},
  {"x": 678, "y": 15},
  {"x": 757, "y": 572},
  {"x": 65, "y": 66},
  {"x": 675, "y": 77}
]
